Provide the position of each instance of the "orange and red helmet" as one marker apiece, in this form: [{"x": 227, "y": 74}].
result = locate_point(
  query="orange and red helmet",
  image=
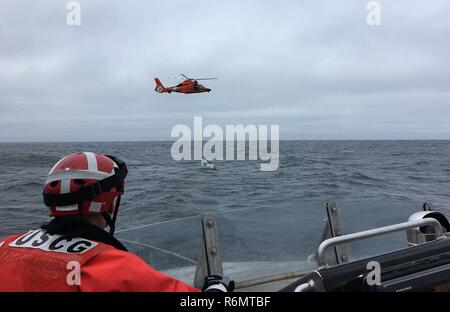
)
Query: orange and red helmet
[{"x": 84, "y": 184}]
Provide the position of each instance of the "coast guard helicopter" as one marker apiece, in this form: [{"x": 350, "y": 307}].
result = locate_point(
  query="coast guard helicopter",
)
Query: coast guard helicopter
[{"x": 188, "y": 86}]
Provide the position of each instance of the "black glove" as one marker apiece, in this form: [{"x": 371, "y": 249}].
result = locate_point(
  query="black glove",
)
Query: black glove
[{"x": 217, "y": 283}]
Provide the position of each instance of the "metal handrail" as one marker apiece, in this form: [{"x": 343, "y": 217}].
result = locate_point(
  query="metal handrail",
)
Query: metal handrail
[{"x": 325, "y": 245}]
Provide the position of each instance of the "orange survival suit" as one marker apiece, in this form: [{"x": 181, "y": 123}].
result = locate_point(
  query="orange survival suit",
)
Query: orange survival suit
[{"x": 72, "y": 256}]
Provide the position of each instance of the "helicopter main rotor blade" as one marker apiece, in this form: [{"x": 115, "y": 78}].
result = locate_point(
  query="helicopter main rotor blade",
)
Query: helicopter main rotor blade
[
  {"x": 186, "y": 77},
  {"x": 197, "y": 78}
]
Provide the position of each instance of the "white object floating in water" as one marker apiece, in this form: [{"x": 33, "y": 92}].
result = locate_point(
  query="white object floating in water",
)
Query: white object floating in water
[{"x": 208, "y": 164}]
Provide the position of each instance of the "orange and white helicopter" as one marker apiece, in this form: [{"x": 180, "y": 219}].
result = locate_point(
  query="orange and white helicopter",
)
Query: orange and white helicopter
[{"x": 188, "y": 86}]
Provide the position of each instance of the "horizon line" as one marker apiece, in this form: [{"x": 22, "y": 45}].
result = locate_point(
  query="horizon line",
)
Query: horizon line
[{"x": 281, "y": 140}]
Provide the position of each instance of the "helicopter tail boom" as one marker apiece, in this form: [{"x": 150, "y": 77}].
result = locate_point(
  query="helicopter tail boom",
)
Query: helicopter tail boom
[{"x": 160, "y": 87}]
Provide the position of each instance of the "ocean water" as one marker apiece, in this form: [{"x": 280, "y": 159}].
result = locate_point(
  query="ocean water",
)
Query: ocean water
[{"x": 160, "y": 189}]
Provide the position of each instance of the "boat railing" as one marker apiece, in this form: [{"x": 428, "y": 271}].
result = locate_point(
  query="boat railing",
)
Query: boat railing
[{"x": 335, "y": 241}]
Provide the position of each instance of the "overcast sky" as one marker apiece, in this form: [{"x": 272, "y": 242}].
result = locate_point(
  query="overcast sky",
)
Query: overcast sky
[{"x": 313, "y": 67}]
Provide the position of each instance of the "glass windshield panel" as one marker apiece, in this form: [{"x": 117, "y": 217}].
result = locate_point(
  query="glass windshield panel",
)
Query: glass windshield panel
[{"x": 266, "y": 241}]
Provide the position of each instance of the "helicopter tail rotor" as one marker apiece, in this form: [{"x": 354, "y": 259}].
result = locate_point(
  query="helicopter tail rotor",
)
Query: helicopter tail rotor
[{"x": 159, "y": 86}]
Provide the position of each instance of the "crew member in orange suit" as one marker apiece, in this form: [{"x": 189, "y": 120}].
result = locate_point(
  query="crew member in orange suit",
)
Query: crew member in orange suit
[{"x": 73, "y": 252}]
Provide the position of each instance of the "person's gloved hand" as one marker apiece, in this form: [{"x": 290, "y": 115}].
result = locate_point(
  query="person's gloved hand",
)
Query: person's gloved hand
[{"x": 217, "y": 283}]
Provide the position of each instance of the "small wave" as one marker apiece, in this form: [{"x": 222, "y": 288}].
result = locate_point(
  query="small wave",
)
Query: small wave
[
  {"x": 255, "y": 193},
  {"x": 399, "y": 154},
  {"x": 368, "y": 177},
  {"x": 326, "y": 185},
  {"x": 165, "y": 197},
  {"x": 29, "y": 160},
  {"x": 417, "y": 178},
  {"x": 354, "y": 182},
  {"x": 359, "y": 177},
  {"x": 16, "y": 185}
]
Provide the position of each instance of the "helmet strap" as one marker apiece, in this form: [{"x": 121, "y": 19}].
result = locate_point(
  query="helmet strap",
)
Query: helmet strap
[{"x": 112, "y": 221}]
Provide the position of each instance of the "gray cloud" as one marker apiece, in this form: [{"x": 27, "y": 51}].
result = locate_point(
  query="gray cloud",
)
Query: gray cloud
[{"x": 314, "y": 67}]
